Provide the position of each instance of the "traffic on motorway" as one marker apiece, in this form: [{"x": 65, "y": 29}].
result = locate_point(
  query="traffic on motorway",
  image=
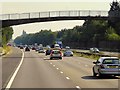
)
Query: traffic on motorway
[
  {"x": 56, "y": 67},
  {"x": 102, "y": 67}
]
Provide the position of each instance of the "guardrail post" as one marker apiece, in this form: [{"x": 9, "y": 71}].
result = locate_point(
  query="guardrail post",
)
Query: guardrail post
[
  {"x": 19, "y": 16},
  {"x": 99, "y": 13},
  {"x": 68, "y": 13},
  {"x": 59, "y": 13},
  {"x": 49, "y": 14},
  {"x": 29, "y": 15},
  {"x": 79, "y": 12},
  {"x": 39, "y": 14},
  {"x": 8, "y": 16},
  {"x": 89, "y": 13}
]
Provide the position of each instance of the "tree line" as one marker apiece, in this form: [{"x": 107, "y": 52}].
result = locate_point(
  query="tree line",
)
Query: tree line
[{"x": 93, "y": 33}]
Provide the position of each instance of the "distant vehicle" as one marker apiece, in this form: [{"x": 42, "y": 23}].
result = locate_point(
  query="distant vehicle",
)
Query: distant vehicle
[
  {"x": 27, "y": 49},
  {"x": 68, "y": 53},
  {"x": 59, "y": 43},
  {"x": 94, "y": 50},
  {"x": 33, "y": 48},
  {"x": 48, "y": 47},
  {"x": 106, "y": 66},
  {"x": 21, "y": 47},
  {"x": 57, "y": 46},
  {"x": 48, "y": 51},
  {"x": 8, "y": 44},
  {"x": 36, "y": 49},
  {"x": 67, "y": 47},
  {"x": 41, "y": 50},
  {"x": 56, "y": 54}
]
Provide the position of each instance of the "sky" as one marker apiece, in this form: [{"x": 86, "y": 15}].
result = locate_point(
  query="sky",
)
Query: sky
[{"x": 27, "y": 6}]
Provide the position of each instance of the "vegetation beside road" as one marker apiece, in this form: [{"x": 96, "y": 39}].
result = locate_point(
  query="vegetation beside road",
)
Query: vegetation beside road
[
  {"x": 93, "y": 33},
  {"x": 6, "y": 35}
]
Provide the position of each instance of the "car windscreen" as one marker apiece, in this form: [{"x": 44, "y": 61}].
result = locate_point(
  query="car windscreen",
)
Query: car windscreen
[{"x": 111, "y": 61}]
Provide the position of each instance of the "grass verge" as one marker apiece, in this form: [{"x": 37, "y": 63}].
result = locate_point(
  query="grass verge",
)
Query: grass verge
[
  {"x": 6, "y": 49},
  {"x": 92, "y": 56}
]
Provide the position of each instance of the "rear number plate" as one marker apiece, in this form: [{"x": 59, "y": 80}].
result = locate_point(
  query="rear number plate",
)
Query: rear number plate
[{"x": 112, "y": 66}]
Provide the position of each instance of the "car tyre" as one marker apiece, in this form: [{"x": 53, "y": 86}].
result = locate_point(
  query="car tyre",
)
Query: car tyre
[
  {"x": 60, "y": 57},
  {"x": 94, "y": 74},
  {"x": 99, "y": 74},
  {"x": 50, "y": 58}
]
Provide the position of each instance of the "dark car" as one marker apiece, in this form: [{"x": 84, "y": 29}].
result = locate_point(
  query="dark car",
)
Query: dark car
[
  {"x": 48, "y": 52},
  {"x": 21, "y": 47},
  {"x": 33, "y": 48},
  {"x": 41, "y": 50},
  {"x": 27, "y": 49},
  {"x": 68, "y": 53}
]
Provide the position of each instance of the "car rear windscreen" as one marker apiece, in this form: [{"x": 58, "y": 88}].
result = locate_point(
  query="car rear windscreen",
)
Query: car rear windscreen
[
  {"x": 111, "y": 61},
  {"x": 56, "y": 52}
]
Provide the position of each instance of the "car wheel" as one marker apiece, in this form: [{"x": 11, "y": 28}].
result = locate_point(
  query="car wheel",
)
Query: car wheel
[
  {"x": 60, "y": 57},
  {"x": 94, "y": 74},
  {"x": 50, "y": 58},
  {"x": 99, "y": 74}
]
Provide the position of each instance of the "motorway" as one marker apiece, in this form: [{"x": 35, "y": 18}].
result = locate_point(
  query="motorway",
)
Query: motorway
[{"x": 37, "y": 71}]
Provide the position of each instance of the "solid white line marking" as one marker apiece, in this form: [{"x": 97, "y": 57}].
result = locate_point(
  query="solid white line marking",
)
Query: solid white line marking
[
  {"x": 61, "y": 72},
  {"x": 57, "y": 68},
  {"x": 77, "y": 87},
  {"x": 67, "y": 78},
  {"x": 53, "y": 65},
  {"x": 16, "y": 71}
]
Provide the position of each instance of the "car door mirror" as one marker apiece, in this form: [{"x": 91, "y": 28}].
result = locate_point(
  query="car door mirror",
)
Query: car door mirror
[{"x": 94, "y": 62}]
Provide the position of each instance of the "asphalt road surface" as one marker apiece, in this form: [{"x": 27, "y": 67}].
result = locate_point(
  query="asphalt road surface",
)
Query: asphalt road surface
[
  {"x": 9, "y": 64},
  {"x": 37, "y": 71}
]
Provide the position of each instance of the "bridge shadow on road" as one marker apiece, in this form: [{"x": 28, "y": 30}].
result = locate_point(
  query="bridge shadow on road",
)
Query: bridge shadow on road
[{"x": 97, "y": 78}]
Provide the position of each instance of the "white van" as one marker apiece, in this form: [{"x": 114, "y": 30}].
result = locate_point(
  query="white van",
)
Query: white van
[{"x": 57, "y": 46}]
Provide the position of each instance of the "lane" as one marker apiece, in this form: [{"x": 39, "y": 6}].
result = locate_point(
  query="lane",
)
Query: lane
[
  {"x": 79, "y": 69},
  {"x": 36, "y": 72},
  {"x": 9, "y": 64}
]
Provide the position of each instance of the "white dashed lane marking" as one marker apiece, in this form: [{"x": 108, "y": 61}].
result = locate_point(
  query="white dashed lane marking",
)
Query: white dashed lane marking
[
  {"x": 57, "y": 68},
  {"x": 86, "y": 65},
  {"x": 78, "y": 87},
  {"x": 53, "y": 65},
  {"x": 67, "y": 78},
  {"x": 61, "y": 72}
]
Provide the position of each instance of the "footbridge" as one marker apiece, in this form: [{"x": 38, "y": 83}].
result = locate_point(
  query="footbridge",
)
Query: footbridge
[{"x": 24, "y": 18}]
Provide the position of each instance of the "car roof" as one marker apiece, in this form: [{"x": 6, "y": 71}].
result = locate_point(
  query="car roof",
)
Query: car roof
[
  {"x": 108, "y": 57},
  {"x": 55, "y": 50},
  {"x": 102, "y": 58}
]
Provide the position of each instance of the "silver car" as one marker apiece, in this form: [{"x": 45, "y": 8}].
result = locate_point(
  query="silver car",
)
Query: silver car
[
  {"x": 94, "y": 50},
  {"x": 68, "y": 53},
  {"x": 56, "y": 54},
  {"x": 107, "y": 66}
]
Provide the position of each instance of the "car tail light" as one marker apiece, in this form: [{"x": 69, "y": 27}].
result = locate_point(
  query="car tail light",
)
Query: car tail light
[
  {"x": 102, "y": 66},
  {"x": 51, "y": 53},
  {"x": 60, "y": 53}
]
